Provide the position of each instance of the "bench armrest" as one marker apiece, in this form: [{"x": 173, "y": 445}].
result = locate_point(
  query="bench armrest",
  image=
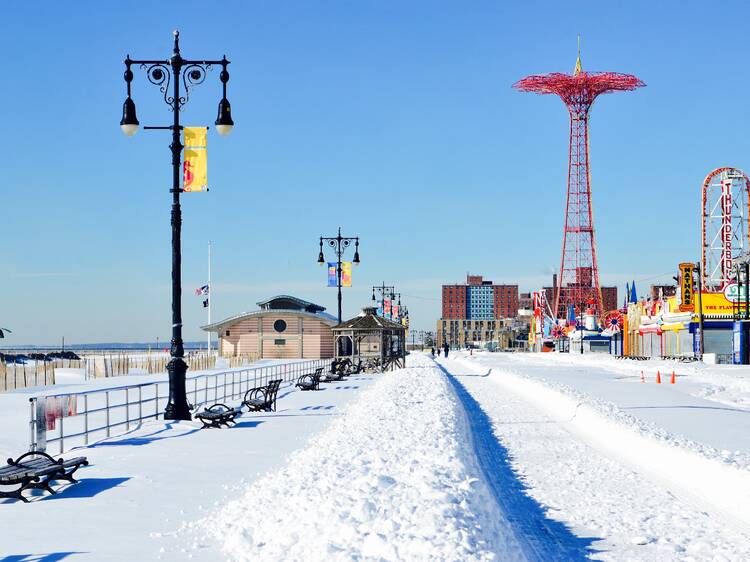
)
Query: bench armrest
[{"x": 255, "y": 393}]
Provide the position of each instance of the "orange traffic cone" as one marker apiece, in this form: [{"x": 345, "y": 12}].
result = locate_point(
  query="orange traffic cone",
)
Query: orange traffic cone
[
  {"x": 643, "y": 379},
  {"x": 672, "y": 380},
  {"x": 658, "y": 377}
]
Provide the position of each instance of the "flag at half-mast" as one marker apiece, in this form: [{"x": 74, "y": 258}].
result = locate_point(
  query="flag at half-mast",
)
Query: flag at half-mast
[
  {"x": 201, "y": 291},
  {"x": 195, "y": 166}
]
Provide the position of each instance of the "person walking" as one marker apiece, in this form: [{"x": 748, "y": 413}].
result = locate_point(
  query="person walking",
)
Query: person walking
[
  {"x": 432, "y": 351},
  {"x": 445, "y": 350},
  {"x": 438, "y": 352}
]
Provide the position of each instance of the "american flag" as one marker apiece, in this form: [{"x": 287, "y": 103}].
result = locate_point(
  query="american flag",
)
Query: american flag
[{"x": 202, "y": 291}]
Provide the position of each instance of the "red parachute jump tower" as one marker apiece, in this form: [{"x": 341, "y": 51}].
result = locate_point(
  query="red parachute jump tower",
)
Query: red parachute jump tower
[{"x": 579, "y": 272}]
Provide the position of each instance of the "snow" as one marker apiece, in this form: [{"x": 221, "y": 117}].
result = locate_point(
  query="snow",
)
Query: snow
[
  {"x": 143, "y": 486},
  {"x": 476, "y": 457},
  {"x": 649, "y": 492},
  {"x": 391, "y": 479}
]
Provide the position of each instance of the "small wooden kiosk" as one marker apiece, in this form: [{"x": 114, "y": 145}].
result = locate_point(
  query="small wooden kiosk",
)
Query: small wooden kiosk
[{"x": 370, "y": 337}]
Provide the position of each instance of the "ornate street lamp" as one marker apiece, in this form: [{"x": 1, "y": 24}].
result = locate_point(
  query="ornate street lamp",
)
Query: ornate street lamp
[
  {"x": 339, "y": 244},
  {"x": 385, "y": 291},
  {"x": 168, "y": 74}
]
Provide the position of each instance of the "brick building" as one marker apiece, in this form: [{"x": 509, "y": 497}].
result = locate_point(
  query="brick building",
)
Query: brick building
[
  {"x": 479, "y": 299},
  {"x": 477, "y": 311},
  {"x": 609, "y": 299},
  {"x": 609, "y": 294}
]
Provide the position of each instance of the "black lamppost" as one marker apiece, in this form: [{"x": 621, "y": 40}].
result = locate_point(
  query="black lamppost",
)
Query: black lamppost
[
  {"x": 385, "y": 291},
  {"x": 393, "y": 297},
  {"x": 700, "y": 310},
  {"x": 168, "y": 74},
  {"x": 339, "y": 244}
]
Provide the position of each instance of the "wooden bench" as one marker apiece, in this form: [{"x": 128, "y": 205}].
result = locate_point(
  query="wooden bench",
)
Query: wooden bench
[
  {"x": 310, "y": 381},
  {"x": 218, "y": 415},
  {"x": 262, "y": 398},
  {"x": 37, "y": 469}
]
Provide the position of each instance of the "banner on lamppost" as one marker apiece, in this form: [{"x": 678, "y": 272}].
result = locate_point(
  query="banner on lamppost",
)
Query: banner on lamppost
[
  {"x": 687, "y": 297},
  {"x": 394, "y": 308},
  {"x": 386, "y": 307},
  {"x": 379, "y": 312},
  {"x": 346, "y": 274},
  {"x": 195, "y": 165}
]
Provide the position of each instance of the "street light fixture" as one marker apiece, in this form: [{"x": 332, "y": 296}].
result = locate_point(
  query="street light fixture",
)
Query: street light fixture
[
  {"x": 385, "y": 291},
  {"x": 167, "y": 74},
  {"x": 339, "y": 244}
]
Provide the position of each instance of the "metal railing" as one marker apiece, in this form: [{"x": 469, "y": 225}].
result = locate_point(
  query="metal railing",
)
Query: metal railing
[{"x": 76, "y": 418}]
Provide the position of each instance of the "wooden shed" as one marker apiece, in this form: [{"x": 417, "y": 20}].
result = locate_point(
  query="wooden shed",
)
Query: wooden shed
[
  {"x": 372, "y": 337},
  {"x": 285, "y": 327}
]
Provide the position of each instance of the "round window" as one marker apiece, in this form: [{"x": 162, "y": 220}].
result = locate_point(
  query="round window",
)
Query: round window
[{"x": 279, "y": 325}]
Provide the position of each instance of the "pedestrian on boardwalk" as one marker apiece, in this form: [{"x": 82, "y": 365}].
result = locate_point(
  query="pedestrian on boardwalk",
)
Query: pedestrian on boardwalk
[
  {"x": 438, "y": 352},
  {"x": 432, "y": 351},
  {"x": 445, "y": 350}
]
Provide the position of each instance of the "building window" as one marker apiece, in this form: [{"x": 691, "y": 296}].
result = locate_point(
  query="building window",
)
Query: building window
[
  {"x": 279, "y": 326},
  {"x": 279, "y": 342},
  {"x": 227, "y": 333}
]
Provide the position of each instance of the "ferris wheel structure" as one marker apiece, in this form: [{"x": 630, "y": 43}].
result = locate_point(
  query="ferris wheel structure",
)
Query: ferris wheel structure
[{"x": 725, "y": 226}]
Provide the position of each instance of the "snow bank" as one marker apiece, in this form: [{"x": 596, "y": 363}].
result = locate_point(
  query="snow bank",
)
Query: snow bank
[
  {"x": 627, "y": 513},
  {"x": 394, "y": 478},
  {"x": 726, "y": 384},
  {"x": 719, "y": 478}
]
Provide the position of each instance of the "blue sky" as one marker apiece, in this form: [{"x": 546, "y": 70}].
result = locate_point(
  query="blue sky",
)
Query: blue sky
[{"x": 394, "y": 120}]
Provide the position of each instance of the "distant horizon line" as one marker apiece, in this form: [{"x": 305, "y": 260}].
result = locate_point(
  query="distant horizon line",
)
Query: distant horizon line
[{"x": 105, "y": 345}]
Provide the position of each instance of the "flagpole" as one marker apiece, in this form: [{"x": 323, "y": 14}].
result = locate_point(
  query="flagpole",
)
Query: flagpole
[{"x": 210, "y": 298}]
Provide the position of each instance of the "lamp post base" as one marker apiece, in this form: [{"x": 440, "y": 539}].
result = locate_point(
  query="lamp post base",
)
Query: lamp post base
[{"x": 177, "y": 407}]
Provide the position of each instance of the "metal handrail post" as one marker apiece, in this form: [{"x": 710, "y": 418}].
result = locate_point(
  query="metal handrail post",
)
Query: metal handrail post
[
  {"x": 86, "y": 419},
  {"x": 107, "y": 411},
  {"x": 32, "y": 424}
]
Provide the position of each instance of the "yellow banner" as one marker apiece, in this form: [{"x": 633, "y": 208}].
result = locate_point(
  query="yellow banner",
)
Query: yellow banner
[
  {"x": 687, "y": 303},
  {"x": 195, "y": 166},
  {"x": 346, "y": 274},
  {"x": 195, "y": 137}
]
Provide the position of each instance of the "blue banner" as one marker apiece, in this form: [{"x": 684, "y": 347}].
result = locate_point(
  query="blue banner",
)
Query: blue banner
[{"x": 332, "y": 277}]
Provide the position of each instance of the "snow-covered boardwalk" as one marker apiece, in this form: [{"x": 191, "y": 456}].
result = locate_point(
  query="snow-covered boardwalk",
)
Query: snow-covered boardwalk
[
  {"x": 393, "y": 478},
  {"x": 143, "y": 486},
  {"x": 609, "y": 457},
  {"x": 485, "y": 457}
]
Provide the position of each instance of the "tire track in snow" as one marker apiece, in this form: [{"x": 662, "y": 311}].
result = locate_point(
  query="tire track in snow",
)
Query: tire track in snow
[
  {"x": 539, "y": 537},
  {"x": 637, "y": 517}
]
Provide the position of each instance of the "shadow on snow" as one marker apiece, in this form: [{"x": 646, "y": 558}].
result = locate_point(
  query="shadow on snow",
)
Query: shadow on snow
[
  {"x": 87, "y": 488},
  {"x": 539, "y": 537},
  {"x": 49, "y": 557}
]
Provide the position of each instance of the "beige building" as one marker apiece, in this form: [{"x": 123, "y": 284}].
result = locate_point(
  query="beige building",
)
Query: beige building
[
  {"x": 285, "y": 327},
  {"x": 460, "y": 332}
]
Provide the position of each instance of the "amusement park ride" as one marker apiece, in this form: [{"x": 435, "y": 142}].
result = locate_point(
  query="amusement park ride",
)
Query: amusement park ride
[
  {"x": 578, "y": 295},
  {"x": 721, "y": 283},
  {"x": 726, "y": 198}
]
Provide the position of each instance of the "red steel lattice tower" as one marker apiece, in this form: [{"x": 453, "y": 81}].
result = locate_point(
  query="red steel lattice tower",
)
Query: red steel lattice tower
[{"x": 579, "y": 272}]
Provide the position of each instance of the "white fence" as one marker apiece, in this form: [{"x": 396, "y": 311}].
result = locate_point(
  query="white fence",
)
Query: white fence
[{"x": 73, "y": 419}]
